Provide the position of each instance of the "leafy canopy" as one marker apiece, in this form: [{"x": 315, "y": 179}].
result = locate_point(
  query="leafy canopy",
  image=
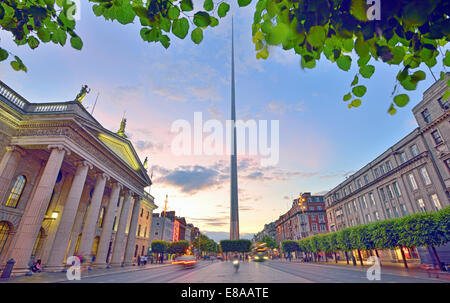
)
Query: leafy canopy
[{"x": 409, "y": 34}]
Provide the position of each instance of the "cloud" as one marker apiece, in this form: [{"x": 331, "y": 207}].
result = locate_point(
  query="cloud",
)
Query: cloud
[
  {"x": 279, "y": 107},
  {"x": 214, "y": 111},
  {"x": 143, "y": 145}
]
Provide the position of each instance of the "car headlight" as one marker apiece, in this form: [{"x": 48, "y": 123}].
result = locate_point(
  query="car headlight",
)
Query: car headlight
[
  {"x": 256, "y": 257},
  {"x": 266, "y": 257}
]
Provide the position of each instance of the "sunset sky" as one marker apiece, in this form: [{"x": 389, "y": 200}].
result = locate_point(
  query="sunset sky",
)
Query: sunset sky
[{"x": 321, "y": 140}]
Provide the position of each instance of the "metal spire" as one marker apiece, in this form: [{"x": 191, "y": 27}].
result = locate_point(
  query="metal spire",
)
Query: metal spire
[{"x": 234, "y": 207}]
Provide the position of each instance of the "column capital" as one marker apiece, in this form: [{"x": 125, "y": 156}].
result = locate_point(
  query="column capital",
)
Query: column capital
[
  {"x": 117, "y": 184},
  {"x": 15, "y": 148},
  {"x": 60, "y": 147},
  {"x": 103, "y": 175},
  {"x": 83, "y": 163}
]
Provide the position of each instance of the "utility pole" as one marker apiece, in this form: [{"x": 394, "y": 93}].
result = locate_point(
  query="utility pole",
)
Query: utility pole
[{"x": 164, "y": 218}]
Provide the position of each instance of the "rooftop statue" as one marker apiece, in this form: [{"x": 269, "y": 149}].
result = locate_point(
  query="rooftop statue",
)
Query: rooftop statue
[
  {"x": 121, "y": 131},
  {"x": 84, "y": 90}
]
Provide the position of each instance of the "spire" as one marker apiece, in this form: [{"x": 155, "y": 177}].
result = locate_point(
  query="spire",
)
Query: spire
[
  {"x": 234, "y": 207},
  {"x": 121, "y": 131}
]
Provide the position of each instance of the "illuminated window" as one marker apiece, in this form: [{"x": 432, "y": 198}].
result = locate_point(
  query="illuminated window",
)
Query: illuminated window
[
  {"x": 5, "y": 231},
  {"x": 412, "y": 181},
  {"x": 436, "y": 202},
  {"x": 16, "y": 192},
  {"x": 421, "y": 205},
  {"x": 376, "y": 216}
]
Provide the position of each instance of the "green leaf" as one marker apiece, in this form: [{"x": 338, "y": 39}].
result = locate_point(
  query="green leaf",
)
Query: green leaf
[
  {"x": 316, "y": 36},
  {"x": 223, "y": 9},
  {"x": 187, "y": 5},
  {"x": 165, "y": 24},
  {"x": 363, "y": 61},
  {"x": 355, "y": 81},
  {"x": 344, "y": 62},
  {"x": 43, "y": 34},
  {"x": 173, "y": 12},
  {"x": 197, "y": 35},
  {"x": 347, "y": 97},
  {"x": 367, "y": 71},
  {"x": 359, "y": 10},
  {"x": 243, "y": 3},
  {"x": 33, "y": 42},
  {"x": 418, "y": 76},
  {"x": 208, "y": 5},
  {"x": 214, "y": 21},
  {"x": 392, "y": 110},
  {"x": 278, "y": 34},
  {"x": 3, "y": 54},
  {"x": 76, "y": 43},
  {"x": 361, "y": 48},
  {"x": 201, "y": 19},
  {"x": 401, "y": 100},
  {"x": 446, "y": 94},
  {"x": 165, "y": 41},
  {"x": 180, "y": 27},
  {"x": 359, "y": 90},
  {"x": 356, "y": 103}
]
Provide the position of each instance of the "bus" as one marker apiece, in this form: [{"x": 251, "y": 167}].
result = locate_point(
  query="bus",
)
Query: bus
[{"x": 260, "y": 252}]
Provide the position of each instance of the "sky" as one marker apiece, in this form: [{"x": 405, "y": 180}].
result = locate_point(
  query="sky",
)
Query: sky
[{"x": 321, "y": 141}]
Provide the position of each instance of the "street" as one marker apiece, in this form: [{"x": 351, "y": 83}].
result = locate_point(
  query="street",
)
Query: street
[{"x": 268, "y": 272}]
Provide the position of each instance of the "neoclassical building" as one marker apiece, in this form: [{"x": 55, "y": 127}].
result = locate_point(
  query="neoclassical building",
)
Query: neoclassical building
[
  {"x": 68, "y": 186},
  {"x": 411, "y": 176}
]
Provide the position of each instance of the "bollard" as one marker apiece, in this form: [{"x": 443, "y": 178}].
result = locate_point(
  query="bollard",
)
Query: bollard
[{"x": 6, "y": 274}]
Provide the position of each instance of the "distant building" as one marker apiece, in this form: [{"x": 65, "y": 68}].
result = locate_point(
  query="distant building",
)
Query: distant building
[
  {"x": 302, "y": 220},
  {"x": 175, "y": 228},
  {"x": 269, "y": 230},
  {"x": 411, "y": 176}
]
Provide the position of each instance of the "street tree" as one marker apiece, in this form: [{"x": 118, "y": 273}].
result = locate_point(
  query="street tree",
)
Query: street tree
[
  {"x": 178, "y": 247},
  {"x": 160, "y": 247},
  {"x": 406, "y": 35},
  {"x": 270, "y": 242}
]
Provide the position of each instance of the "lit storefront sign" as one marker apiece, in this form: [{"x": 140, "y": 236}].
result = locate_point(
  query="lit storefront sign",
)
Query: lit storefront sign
[{"x": 176, "y": 231}]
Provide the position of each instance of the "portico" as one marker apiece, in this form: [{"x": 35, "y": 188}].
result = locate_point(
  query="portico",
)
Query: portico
[{"x": 67, "y": 186}]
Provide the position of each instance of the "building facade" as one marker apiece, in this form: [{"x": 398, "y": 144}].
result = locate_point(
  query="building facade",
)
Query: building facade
[
  {"x": 411, "y": 176},
  {"x": 268, "y": 230},
  {"x": 143, "y": 232},
  {"x": 63, "y": 180},
  {"x": 175, "y": 228},
  {"x": 304, "y": 219}
]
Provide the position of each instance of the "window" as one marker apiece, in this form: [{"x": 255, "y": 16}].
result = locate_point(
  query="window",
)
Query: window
[
  {"x": 364, "y": 201},
  {"x": 139, "y": 230},
  {"x": 389, "y": 191},
  {"x": 114, "y": 223},
  {"x": 403, "y": 157},
  {"x": 444, "y": 103},
  {"x": 368, "y": 219},
  {"x": 388, "y": 166},
  {"x": 358, "y": 182},
  {"x": 382, "y": 169},
  {"x": 136, "y": 250},
  {"x": 436, "y": 137},
  {"x": 396, "y": 212},
  {"x": 376, "y": 215},
  {"x": 426, "y": 178},
  {"x": 412, "y": 181},
  {"x": 447, "y": 162},
  {"x": 396, "y": 189},
  {"x": 366, "y": 179},
  {"x": 5, "y": 231},
  {"x": 142, "y": 212},
  {"x": 354, "y": 206},
  {"x": 383, "y": 195},
  {"x": 148, "y": 214},
  {"x": 345, "y": 192},
  {"x": 421, "y": 205},
  {"x": 403, "y": 209},
  {"x": 350, "y": 189},
  {"x": 16, "y": 192},
  {"x": 426, "y": 115},
  {"x": 414, "y": 150},
  {"x": 436, "y": 202},
  {"x": 377, "y": 174},
  {"x": 314, "y": 227},
  {"x": 319, "y": 207},
  {"x": 143, "y": 249},
  {"x": 349, "y": 211},
  {"x": 371, "y": 198},
  {"x": 323, "y": 227},
  {"x": 145, "y": 232},
  {"x": 389, "y": 214}
]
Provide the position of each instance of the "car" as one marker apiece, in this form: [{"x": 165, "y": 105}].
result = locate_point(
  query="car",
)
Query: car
[{"x": 185, "y": 260}]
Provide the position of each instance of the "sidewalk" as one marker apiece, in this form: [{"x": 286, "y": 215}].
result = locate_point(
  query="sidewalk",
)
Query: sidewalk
[
  {"x": 398, "y": 269},
  {"x": 54, "y": 277}
]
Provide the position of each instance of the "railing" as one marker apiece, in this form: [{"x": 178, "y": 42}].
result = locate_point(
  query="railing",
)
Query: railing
[
  {"x": 12, "y": 96},
  {"x": 51, "y": 108}
]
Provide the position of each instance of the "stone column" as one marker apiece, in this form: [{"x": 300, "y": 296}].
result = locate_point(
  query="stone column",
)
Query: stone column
[
  {"x": 129, "y": 250},
  {"x": 55, "y": 261},
  {"x": 116, "y": 258},
  {"x": 33, "y": 216},
  {"x": 108, "y": 220},
  {"x": 8, "y": 167},
  {"x": 87, "y": 235}
]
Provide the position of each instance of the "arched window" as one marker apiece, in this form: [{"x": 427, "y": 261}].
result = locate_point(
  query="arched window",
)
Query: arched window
[
  {"x": 16, "y": 191},
  {"x": 5, "y": 231}
]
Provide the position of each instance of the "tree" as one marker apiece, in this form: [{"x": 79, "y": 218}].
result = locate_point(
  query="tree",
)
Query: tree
[
  {"x": 409, "y": 33},
  {"x": 270, "y": 242},
  {"x": 160, "y": 247},
  {"x": 289, "y": 246},
  {"x": 344, "y": 241},
  {"x": 384, "y": 235},
  {"x": 361, "y": 240},
  {"x": 178, "y": 247},
  {"x": 333, "y": 244}
]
